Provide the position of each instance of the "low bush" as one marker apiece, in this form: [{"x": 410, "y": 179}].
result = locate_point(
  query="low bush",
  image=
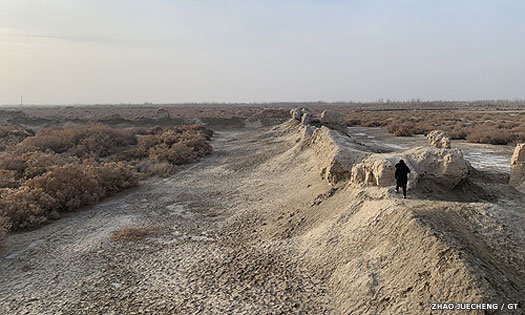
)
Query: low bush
[
  {"x": 176, "y": 154},
  {"x": 133, "y": 233},
  {"x": 136, "y": 153},
  {"x": 4, "y": 226},
  {"x": 149, "y": 168},
  {"x": 497, "y": 127},
  {"x": 11, "y": 135},
  {"x": 63, "y": 188},
  {"x": 403, "y": 129},
  {"x": 28, "y": 165},
  {"x": 16, "y": 169},
  {"x": 8, "y": 179},
  {"x": 490, "y": 136},
  {"x": 61, "y": 169},
  {"x": 458, "y": 134},
  {"x": 26, "y": 207},
  {"x": 177, "y": 146},
  {"x": 83, "y": 140}
]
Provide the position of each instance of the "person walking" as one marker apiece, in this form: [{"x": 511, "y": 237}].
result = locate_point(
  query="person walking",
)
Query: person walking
[{"x": 402, "y": 171}]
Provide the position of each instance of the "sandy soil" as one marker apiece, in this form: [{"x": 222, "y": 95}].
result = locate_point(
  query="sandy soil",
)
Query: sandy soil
[
  {"x": 207, "y": 257},
  {"x": 254, "y": 230}
]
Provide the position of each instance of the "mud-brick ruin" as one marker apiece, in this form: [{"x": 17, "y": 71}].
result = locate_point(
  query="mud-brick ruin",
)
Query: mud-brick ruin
[{"x": 341, "y": 159}]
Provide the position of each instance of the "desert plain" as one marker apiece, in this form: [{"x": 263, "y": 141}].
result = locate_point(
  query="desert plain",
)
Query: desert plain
[{"x": 290, "y": 212}]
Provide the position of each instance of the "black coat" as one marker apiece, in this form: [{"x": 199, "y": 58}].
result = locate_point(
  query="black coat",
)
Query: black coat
[{"x": 402, "y": 171}]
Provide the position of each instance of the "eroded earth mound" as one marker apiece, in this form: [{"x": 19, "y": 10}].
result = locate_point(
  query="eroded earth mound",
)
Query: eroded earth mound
[
  {"x": 439, "y": 139},
  {"x": 517, "y": 167},
  {"x": 381, "y": 254}
]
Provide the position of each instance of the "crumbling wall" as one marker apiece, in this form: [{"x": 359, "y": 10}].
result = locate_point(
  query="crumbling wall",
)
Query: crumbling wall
[
  {"x": 334, "y": 120},
  {"x": 517, "y": 166},
  {"x": 336, "y": 154},
  {"x": 446, "y": 168},
  {"x": 439, "y": 139},
  {"x": 341, "y": 159}
]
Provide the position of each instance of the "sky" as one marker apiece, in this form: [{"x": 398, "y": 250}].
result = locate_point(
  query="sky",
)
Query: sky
[{"x": 160, "y": 51}]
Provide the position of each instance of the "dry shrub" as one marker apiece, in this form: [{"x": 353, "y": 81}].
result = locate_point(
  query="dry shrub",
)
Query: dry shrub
[
  {"x": 200, "y": 129},
  {"x": 480, "y": 127},
  {"x": 14, "y": 130},
  {"x": 179, "y": 145},
  {"x": 28, "y": 165},
  {"x": 84, "y": 140},
  {"x": 73, "y": 186},
  {"x": 176, "y": 154},
  {"x": 401, "y": 130},
  {"x": 13, "y": 162},
  {"x": 490, "y": 136},
  {"x": 155, "y": 130},
  {"x": 133, "y": 233},
  {"x": 157, "y": 152},
  {"x": 57, "y": 171},
  {"x": 26, "y": 207},
  {"x": 200, "y": 145},
  {"x": 374, "y": 123},
  {"x": 458, "y": 134},
  {"x": 148, "y": 168},
  {"x": 38, "y": 163},
  {"x": 4, "y": 226},
  {"x": 136, "y": 131},
  {"x": 8, "y": 179},
  {"x": 12, "y": 134},
  {"x": 63, "y": 188},
  {"x": 175, "y": 135},
  {"x": 135, "y": 153}
]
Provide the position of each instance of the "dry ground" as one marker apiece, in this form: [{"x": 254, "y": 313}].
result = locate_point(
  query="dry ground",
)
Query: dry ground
[
  {"x": 208, "y": 256},
  {"x": 253, "y": 230}
]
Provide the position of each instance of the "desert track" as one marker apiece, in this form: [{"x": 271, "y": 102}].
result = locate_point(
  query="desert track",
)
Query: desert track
[{"x": 206, "y": 256}]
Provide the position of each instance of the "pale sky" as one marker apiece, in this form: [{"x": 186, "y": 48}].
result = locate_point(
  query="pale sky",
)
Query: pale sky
[{"x": 130, "y": 51}]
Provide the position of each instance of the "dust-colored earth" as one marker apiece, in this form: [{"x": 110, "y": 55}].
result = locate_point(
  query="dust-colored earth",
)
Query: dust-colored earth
[{"x": 252, "y": 229}]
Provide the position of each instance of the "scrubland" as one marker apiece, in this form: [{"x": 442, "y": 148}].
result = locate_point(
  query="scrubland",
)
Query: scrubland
[
  {"x": 475, "y": 127},
  {"x": 12, "y": 134},
  {"x": 61, "y": 169},
  {"x": 490, "y": 122},
  {"x": 94, "y": 148},
  {"x": 256, "y": 227}
]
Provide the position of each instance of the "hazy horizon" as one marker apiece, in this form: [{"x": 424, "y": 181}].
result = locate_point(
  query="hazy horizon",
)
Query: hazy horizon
[{"x": 113, "y": 52}]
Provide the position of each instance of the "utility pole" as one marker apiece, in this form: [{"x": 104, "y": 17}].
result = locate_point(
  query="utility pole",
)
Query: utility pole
[{"x": 21, "y": 100}]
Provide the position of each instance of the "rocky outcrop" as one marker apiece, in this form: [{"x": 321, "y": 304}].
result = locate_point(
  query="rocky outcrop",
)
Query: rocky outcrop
[
  {"x": 439, "y": 139},
  {"x": 334, "y": 120},
  {"x": 446, "y": 168},
  {"x": 517, "y": 166}
]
